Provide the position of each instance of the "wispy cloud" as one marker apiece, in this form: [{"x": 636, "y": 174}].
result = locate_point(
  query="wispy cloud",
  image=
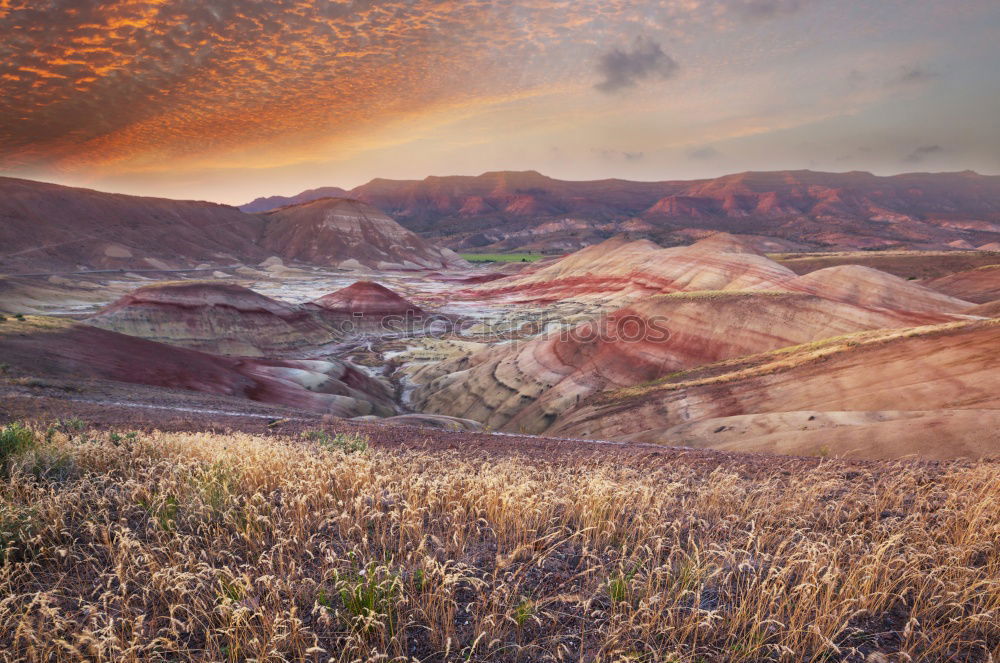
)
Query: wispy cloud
[
  {"x": 764, "y": 9},
  {"x": 624, "y": 68},
  {"x": 624, "y": 155},
  {"x": 922, "y": 152},
  {"x": 703, "y": 153},
  {"x": 913, "y": 75}
]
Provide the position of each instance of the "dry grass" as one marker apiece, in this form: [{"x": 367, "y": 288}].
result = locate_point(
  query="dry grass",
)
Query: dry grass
[
  {"x": 33, "y": 324},
  {"x": 696, "y": 295},
  {"x": 198, "y": 547}
]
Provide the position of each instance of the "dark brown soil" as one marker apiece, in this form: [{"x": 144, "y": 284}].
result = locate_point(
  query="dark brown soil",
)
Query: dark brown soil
[{"x": 103, "y": 407}]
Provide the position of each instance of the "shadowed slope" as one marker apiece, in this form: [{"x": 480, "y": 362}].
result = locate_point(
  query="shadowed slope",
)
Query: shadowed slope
[
  {"x": 47, "y": 227},
  {"x": 50, "y": 347}
]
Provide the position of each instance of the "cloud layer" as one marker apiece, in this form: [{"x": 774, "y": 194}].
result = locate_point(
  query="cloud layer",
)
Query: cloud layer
[
  {"x": 139, "y": 81},
  {"x": 231, "y": 95}
]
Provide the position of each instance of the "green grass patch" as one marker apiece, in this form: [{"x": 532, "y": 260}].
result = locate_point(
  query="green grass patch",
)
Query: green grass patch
[
  {"x": 346, "y": 442},
  {"x": 502, "y": 257},
  {"x": 14, "y": 439}
]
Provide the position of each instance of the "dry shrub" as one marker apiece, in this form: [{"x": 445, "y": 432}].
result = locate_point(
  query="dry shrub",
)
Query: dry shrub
[{"x": 199, "y": 547}]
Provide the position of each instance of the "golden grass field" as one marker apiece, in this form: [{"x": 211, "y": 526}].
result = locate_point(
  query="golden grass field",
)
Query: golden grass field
[{"x": 207, "y": 547}]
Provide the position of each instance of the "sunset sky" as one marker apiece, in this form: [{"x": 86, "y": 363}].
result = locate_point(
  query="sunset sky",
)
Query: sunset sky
[{"x": 229, "y": 100}]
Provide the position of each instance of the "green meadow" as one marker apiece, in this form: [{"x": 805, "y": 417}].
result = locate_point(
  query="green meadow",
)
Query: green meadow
[{"x": 502, "y": 257}]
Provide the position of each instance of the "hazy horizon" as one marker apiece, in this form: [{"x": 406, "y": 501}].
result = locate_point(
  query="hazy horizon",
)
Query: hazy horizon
[{"x": 293, "y": 192}]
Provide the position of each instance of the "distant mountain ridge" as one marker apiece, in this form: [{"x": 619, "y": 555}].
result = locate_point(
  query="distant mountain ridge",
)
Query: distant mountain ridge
[
  {"x": 274, "y": 202},
  {"x": 48, "y": 227},
  {"x": 808, "y": 209}
]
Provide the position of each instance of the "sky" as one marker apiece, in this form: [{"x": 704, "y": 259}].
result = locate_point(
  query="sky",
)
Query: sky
[{"x": 232, "y": 99}]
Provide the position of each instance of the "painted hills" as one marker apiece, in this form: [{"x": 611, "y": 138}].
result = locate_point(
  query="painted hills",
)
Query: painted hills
[
  {"x": 368, "y": 308},
  {"x": 221, "y": 318},
  {"x": 229, "y": 319},
  {"x": 739, "y": 341},
  {"x": 55, "y": 348},
  {"x": 47, "y": 227},
  {"x": 929, "y": 391},
  {"x": 715, "y": 332},
  {"x": 507, "y": 210},
  {"x": 525, "y": 387},
  {"x": 618, "y": 268},
  {"x": 871, "y": 288},
  {"x": 980, "y": 285},
  {"x": 350, "y": 234},
  {"x": 366, "y": 299}
]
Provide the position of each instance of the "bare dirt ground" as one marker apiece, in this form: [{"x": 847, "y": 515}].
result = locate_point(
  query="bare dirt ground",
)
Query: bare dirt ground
[
  {"x": 905, "y": 264},
  {"x": 118, "y": 407}
]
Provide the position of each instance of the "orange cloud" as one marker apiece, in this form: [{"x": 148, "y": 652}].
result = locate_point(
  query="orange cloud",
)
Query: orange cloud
[{"x": 163, "y": 83}]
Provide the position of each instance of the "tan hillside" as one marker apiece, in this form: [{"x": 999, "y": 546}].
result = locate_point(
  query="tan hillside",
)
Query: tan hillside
[
  {"x": 619, "y": 268},
  {"x": 980, "y": 285},
  {"x": 952, "y": 366},
  {"x": 869, "y": 287}
]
